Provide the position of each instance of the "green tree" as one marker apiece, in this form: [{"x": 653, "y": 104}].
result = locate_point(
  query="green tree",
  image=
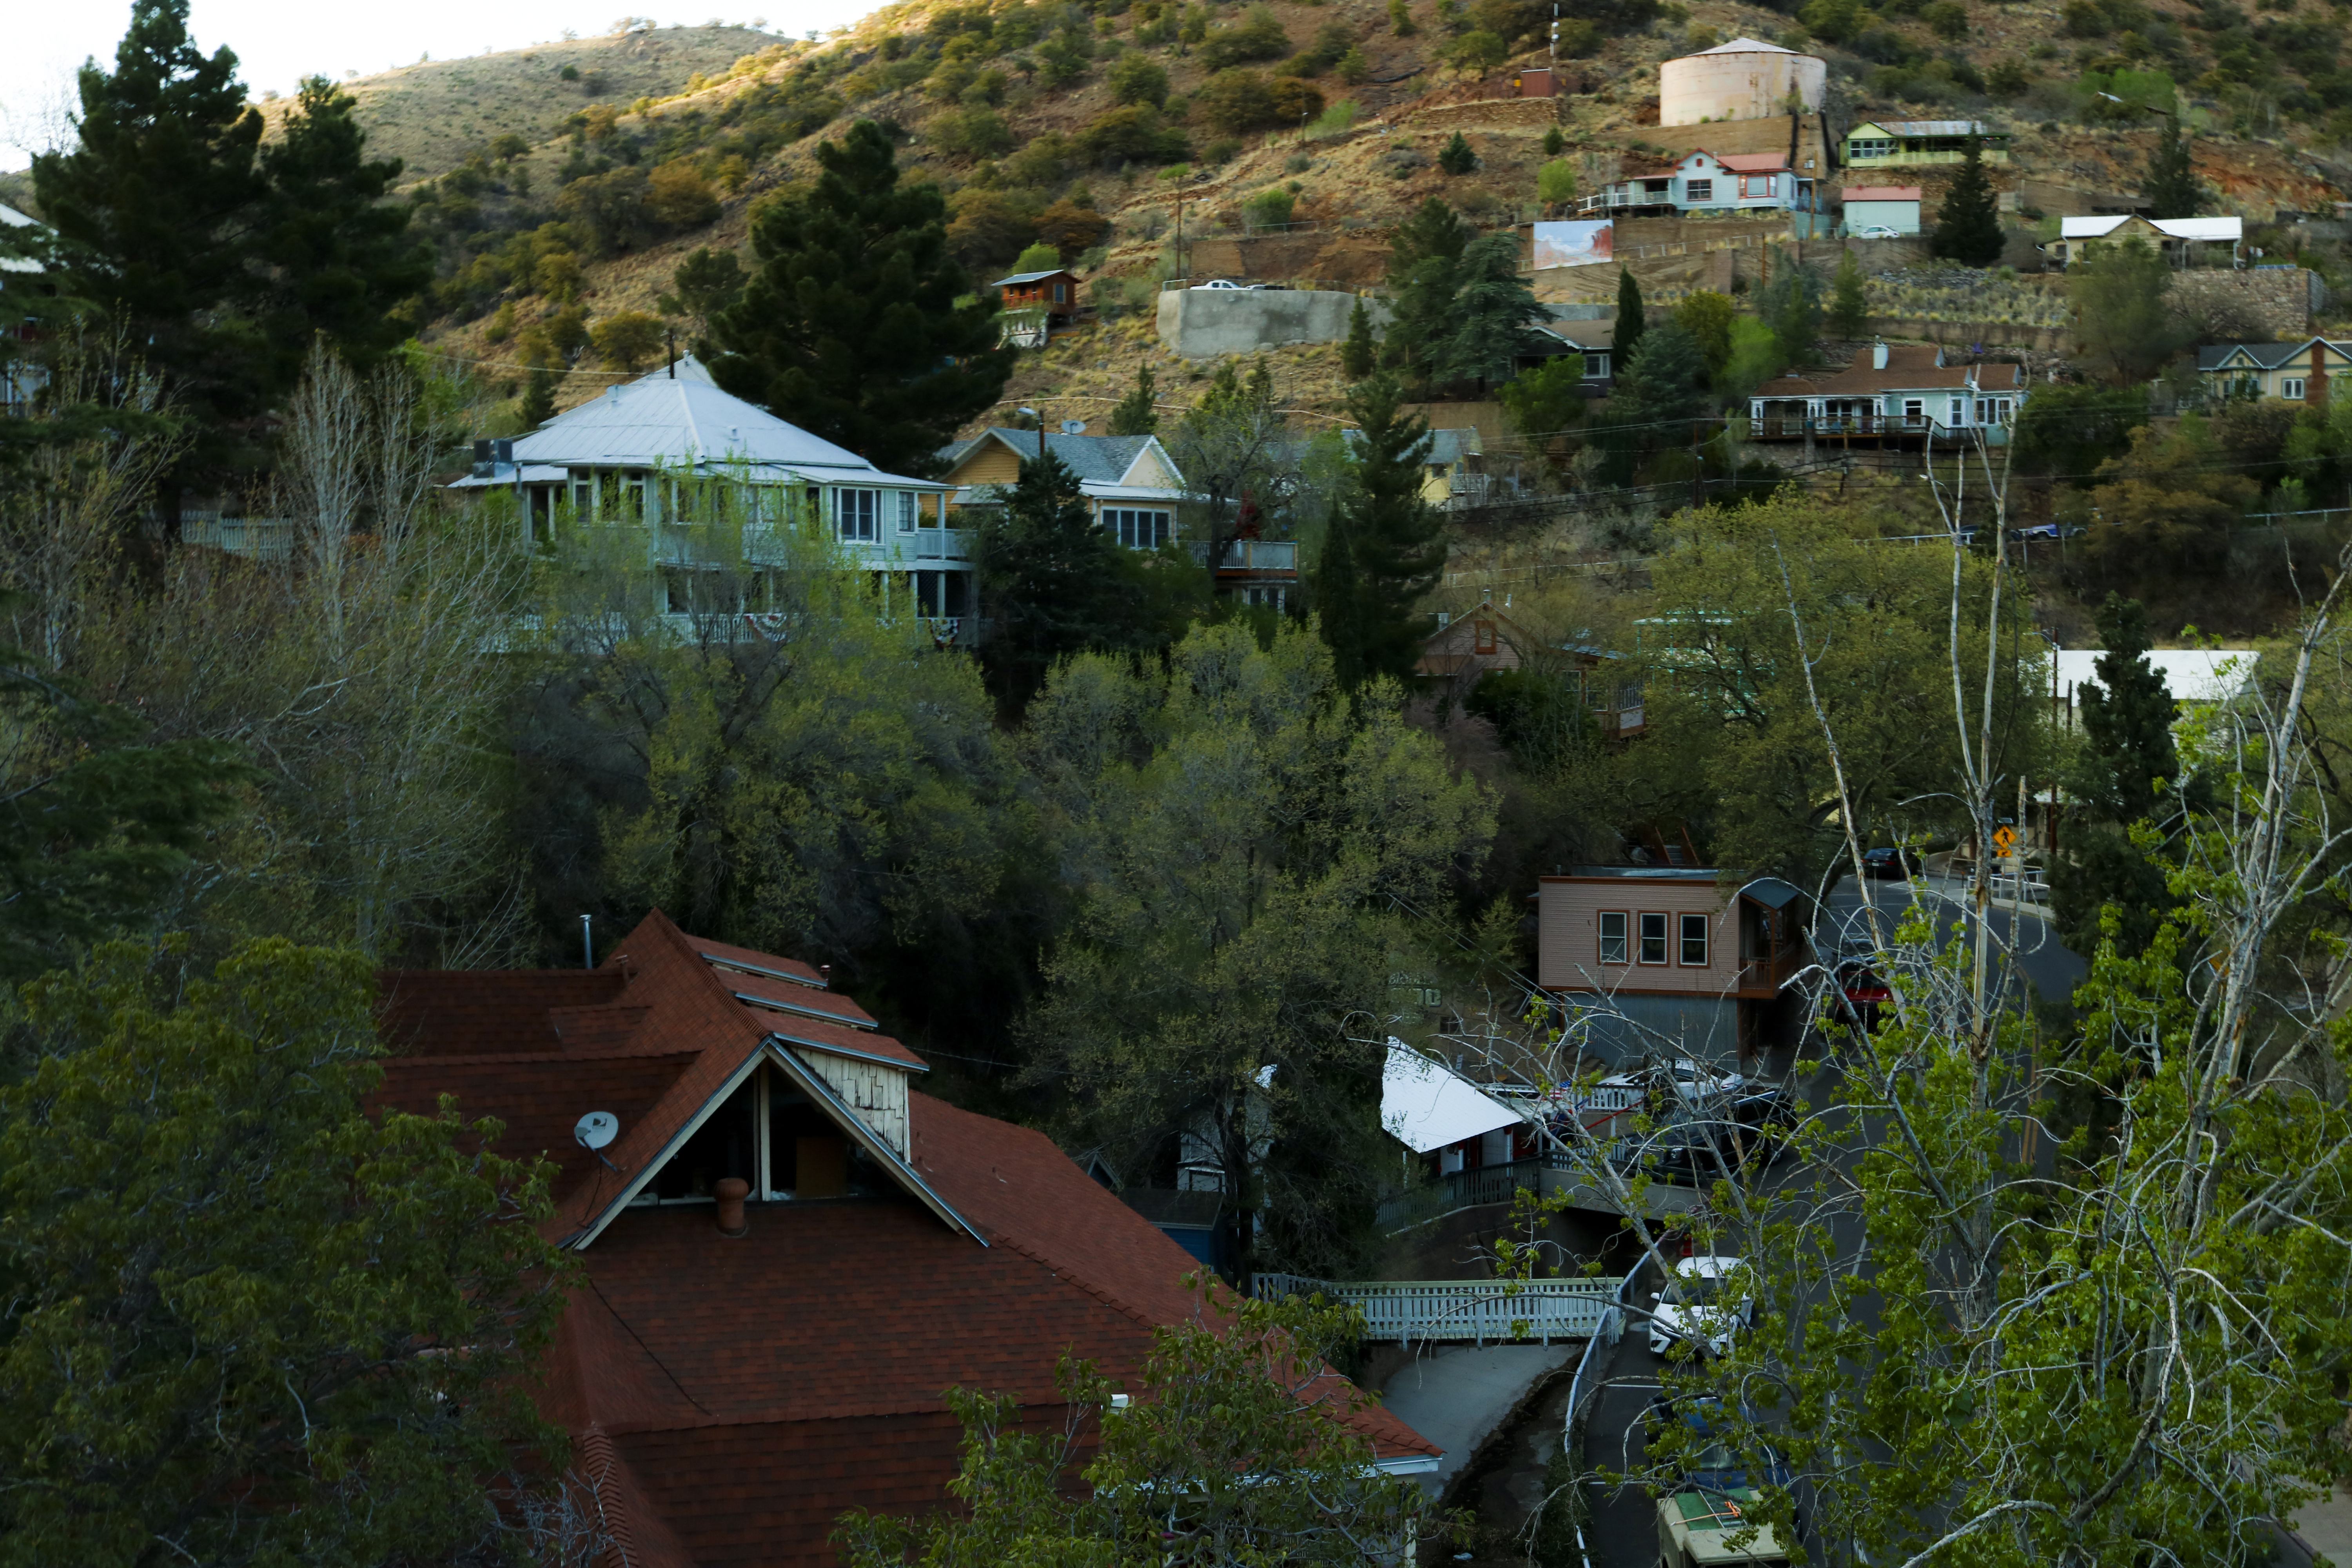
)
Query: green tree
[
  {"x": 250, "y": 1319},
  {"x": 1359, "y": 352},
  {"x": 1968, "y": 227},
  {"x": 1218, "y": 1396},
  {"x": 2170, "y": 188},
  {"x": 2068, "y": 428},
  {"x": 1547, "y": 400},
  {"x": 1137, "y": 77},
  {"x": 156, "y": 205},
  {"x": 1556, "y": 182},
  {"x": 1792, "y": 305},
  {"x": 1849, "y": 311},
  {"x": 855, "y": 323},
  {"x": 339, "y": 256},
  {"x": 1039, "y": 257},
  {"x": 1493, "y": 307},
  {"x": 1054, "y": 582},
  {"x": 1657, "y": 402},
  {"x": 706, "y": 283},
  {"x": 1425, "y": 264},
  {"x": 1240, "y": 830},
  {"x": 2124, "y": 776},
  {"x": 1475, "y": 54},
  {"x": 1138, "y": 413},
  {"x": 1706, "y": 315},
  {"x": 628, "y": 339},
  {"x": 1457, "y": 157},
  {"x": 2122, "y": 322},
  {"x": 1555, "y": 141},
  {"x": 1400, "y": 22},
  {"x": 1234, "y": 450},
  {"x": 1630, "y": 323},
  {"x": 1385, "y": 547}
]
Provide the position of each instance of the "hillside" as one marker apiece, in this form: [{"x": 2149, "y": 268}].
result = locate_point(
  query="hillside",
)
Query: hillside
[{"x": 1088, "y": 126}]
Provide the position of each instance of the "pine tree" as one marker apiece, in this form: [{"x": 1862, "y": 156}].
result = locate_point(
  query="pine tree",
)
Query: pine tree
[
  {"x": 341, "y": 255},
  {"x": 1457, "y": 157},
  {"x": 2172, "y": 190},
  {"x": 538, "y": 405},
  {"x": 1137, "y": 413},
  {"x": 1492, "y": 307},
  {"x": 1385, "y": 547},
  {"x": 1630, "y": 324},
  {"x": 156, "y": 205},
  {"x": 2127, "y": 725},
  {"x": 1359, "y": 352},
  {"x": 1050, "y": 579},
  {"x": 849, "y": 325},
  {"x": 1967, "y": 230},
  {"x": 1849, "y": 305},
  {"x": 1555, "y": 139},
  {"x": 1658, "y": 396},
  {"x": 1424, "y": 257}
]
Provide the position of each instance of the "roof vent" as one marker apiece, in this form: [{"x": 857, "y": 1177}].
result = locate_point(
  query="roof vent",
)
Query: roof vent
[
  {"x": 614, "y": 392},
  {"x": 731, "y": 1192}
]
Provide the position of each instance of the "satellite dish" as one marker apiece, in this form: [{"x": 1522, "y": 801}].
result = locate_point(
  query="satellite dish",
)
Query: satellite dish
[
  {"x": 1073, "y": 426},
  {"x": 596, "y": 1128}
]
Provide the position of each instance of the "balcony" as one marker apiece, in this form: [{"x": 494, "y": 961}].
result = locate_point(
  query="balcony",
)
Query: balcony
[
  {"x": 1259, "y": 558},
  {"x": 1764, "y": 976}
]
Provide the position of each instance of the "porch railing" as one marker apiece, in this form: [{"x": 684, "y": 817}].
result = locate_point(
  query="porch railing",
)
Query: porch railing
[{"x": 1478, "y": 1310}]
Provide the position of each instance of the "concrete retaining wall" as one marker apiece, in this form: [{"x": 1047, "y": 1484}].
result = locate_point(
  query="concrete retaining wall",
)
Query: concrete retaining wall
[{"x": 1203, "y": 323}]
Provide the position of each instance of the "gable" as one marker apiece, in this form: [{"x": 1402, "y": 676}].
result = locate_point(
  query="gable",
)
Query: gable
[
  {"x": 990, "y": 462},
  {"x": 1152, "y": 469}
]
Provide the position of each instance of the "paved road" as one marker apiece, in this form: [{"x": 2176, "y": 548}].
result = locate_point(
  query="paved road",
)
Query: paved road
[{"x": 2052, "y": 970}]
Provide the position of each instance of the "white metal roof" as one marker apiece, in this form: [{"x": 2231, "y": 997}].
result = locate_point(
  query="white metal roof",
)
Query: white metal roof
[
  {"x": 1426, "y": 1105},
  {"x": 2192, "y": 674},
  {"x": 2099, "y": 225},
  {"x": 665, "y": 420},
  {"x": 11, "y": 218},
  {"x": 1745, "y": 46}
]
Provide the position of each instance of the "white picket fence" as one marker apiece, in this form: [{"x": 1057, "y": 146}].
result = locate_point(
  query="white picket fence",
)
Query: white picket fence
[{"x": 1478, "y": 1310}]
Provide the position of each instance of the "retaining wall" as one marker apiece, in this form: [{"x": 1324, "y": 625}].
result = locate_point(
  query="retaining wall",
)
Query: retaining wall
[
  {"x": 1204, "y": 323},
  {"x": 2275, "y": 302}
]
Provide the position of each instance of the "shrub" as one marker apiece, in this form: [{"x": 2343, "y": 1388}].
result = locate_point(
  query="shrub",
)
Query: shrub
[
  {"x": 1038, "y": 257},
  {"x": 1578, "y": 37},
  {"x": 1555, "y": 141},
  {"x": 628, "y": 339},
  {"x": 1476, "y": 54},
  {"x": 1223, "y": 150},
  {"x": 1270, "y": 208},
  {"x": 1258, "y": 36},
  {"x": 502, "y": 324},
  {"x": 1340, "y": 117},
  {"x": 1133, "y": 134},
  {"x": 1138, "y": 79},
  {"x": 1948, "y": 18},
  {"x": 1295, "y": 102},
  {"x": 1071, "y": 227},
  {"x": 1456, "y": 157},
  {"x": 1235, "y": 100},
  {"x": 1556, "y": 182},
  {"x": 1352, "y": 67},
  {"x": 1401, "y": 21},
  {"x": 680, "y": 196},
  {"x": 970, "y": 132}
]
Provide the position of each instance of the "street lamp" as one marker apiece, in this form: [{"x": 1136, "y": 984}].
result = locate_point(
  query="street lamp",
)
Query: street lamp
[{"x": 1040, "y": 418}]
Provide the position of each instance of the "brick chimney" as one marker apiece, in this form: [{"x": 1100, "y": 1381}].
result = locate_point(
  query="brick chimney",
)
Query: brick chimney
[{"x": 733, "y": 1191}]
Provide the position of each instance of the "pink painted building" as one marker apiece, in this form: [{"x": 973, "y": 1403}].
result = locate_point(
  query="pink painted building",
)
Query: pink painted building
[{"x": 1684, "y": 970}]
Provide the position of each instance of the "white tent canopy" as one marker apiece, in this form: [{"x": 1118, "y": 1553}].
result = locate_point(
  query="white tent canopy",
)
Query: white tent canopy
[{"x": 1426, "y": 1105}]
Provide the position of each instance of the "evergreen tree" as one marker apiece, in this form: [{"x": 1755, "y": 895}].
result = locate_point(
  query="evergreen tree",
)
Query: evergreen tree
[
  {"x": 1457, "y": 157},
  {"x": 1967, "y": 230},
  {"x": 705, "y": 284},
  {"x": 1136, "y": 413},
  {"x": 1792, "y": 305},
  {"x": 1849, "y": 313},
  {"x": 538, "y": 405},
  {"x": 1360, "y": 354},
  {"x": 1493, "y": 306},
  {"x": 2171, "y": 190},
  {"x": 156, "y": 207},
  {"x": 1555, "y": 139},
  {"x": 2127, "y": 723},
  {"x": 1423, "y": 259},
  {"x": 1657, "y": 396},
  {"x": 340, "y": 254},
  {"x": 849, "y": 325},
  {"x": 1630, "y": 324},
  {"x": 1385, "y": 547},
  {"x": 1051, "y": 580}
]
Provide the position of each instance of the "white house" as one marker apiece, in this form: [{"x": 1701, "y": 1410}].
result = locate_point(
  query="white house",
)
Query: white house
[
  {"x": 1882, "y": 206},
  {"x": 1891, "y": 392},
  {"x": 633, "y": 455},
  {"x": 2172, "y": 237},
  {"x": 1702, "y": 181}
]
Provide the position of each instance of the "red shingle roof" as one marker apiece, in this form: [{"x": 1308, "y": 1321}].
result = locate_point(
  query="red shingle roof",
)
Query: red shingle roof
[{"x": 732, "y": 1396}]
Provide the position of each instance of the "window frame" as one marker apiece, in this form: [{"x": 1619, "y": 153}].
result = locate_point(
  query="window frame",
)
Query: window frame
[
  {"x": 1699, "y": 190},
  {"x": 1624, "y": 936},
  {"x": 1485, "y": 639},
  {"x": 2294, "y": 389},
  {"x": 866, "y": 513},
  {"x": 1686, "y": 922},
  {"x": 1642, "y": 919}
]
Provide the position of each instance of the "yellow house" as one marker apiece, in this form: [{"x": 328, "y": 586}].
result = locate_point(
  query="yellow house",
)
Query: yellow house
[
  {"x": 2171, "y": 238},
  {"x": 1130, "y": 484},
  {"x": 1915, "y": 143},
  {"x": 2294, "y": 372}
]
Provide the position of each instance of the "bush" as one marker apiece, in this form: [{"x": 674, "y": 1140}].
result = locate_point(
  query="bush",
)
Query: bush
[
  {"x": 1138, "y": 79},
  {"x": 1071, "y": 227},
  {"x": 628, "y": 339},
  {"x": 1270, "y": 208},
  {"x": 1258, "y": 36},
  {"x": 680, "y": 196},
  {"x": 1352, "y": 67},
  {"x": 1556, "y": 183},
  {"x": 1223, "y": 150},
  {"x": 1295, "y": 102},
  {"x": 970, "y": 132},
  {"x": 1948, "y": 18},
  {"x": 1038, "y": 257},
  {"x": 1336, "y": 118},
  {"x": 1133, "y": 134},
  {"x": 1235, "y": 100},
  {"x": 1476, "y": 54},
  {"x": 1456, "y": 157},
  {"x": 611, "y": 208}
]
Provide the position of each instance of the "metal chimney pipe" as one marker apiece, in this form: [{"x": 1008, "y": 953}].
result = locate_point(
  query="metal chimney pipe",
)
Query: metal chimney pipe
[{"x": 587, "y": 943}]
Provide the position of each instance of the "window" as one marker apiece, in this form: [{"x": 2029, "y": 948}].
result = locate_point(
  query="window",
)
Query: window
[
  {"x": 1694, "y": 941},
  {"x": 1485, "y": 634},
  {"x": 1870, "y": 147},
  {"x": 856, "y": 510},
  {"x": 1752, "y": 186},
  {"x": 1698, "y": 190},
  {"x": 583, "y": 494},
  {"x": 1596, "y": 365},
  {"x": 1959, "y": 413},
  {"x": 1612, "y": 936},
  {"x": 2290, "y": 388},
  {"x": 1138, "y": 530},
  {"x": 1653, "y": 939},
  {"x": 1914, "y": 408},
  {"x": 908, "y": 505}
]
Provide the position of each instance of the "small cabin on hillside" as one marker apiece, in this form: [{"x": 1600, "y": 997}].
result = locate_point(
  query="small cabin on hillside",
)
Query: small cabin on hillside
[
  {"x": 2182, "y": 241},
  {"x": 1055, "y": 292}
]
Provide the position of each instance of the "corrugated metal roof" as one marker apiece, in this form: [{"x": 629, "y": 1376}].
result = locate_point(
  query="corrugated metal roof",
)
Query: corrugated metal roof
[
  {"x": 2228, "y": 229},
  {"x": 1881, "y": 192},
  {"x": 1028, "y": 277},
  {"x": 661, "y": 420},
  {"x": 1935, "y": 128}
]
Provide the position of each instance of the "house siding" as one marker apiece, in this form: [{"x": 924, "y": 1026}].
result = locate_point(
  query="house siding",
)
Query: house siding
[
  {"x": 1568, "y": 938},
  {"x": 877, "y": 1092}
]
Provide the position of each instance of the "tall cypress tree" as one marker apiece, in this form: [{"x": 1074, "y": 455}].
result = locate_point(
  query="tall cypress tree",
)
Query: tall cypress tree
[
  {"x": 2172, "y": 190},
  {"x": 1967, "y": 230},
  {"x": 340, "y": 254},
  {"x": 2127, "y": 723},
  {"x": 849, "y": 325},
  {"x": 1385, "y": 547},
  {"x": 1630, "y": 324},
  {"x": 1360, "y": 354},
  {"x": 157, "y": 208},
  {"x": 1136, "y": 413}
]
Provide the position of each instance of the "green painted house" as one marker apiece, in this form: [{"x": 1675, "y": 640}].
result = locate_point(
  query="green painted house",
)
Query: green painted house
[{"x": 1914, "y": 143}]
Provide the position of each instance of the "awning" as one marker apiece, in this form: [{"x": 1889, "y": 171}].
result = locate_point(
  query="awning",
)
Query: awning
[
  {"x": 1426, "y": 1105},
  {"x": 1771, "y": 892}
]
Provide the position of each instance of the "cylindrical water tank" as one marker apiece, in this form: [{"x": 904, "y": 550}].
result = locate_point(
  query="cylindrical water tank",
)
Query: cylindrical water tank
[{"x": 1743, "y": 79}]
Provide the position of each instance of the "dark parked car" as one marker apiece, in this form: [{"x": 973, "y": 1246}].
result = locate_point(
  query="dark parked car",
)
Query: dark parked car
[
  {"x": 1862, "y": 995},
  {"x": 1716, "y": 1466},
  {"x": 1891, "y": 864},
  {"x": 1696, "y": 1154}
]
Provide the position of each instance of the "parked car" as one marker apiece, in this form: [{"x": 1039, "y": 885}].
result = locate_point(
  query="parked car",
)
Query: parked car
[
  {"x": 1218, "y": 283},
  {"x": 1862, "y": 997},
  {"x": 1706, "y": 1303},
  {"x": 1744, "y": 1135},
  {"x": 1875, "y": 231},
  {"x": 1715, "y": 1466},
  {"x": 1891, "y": 864}
]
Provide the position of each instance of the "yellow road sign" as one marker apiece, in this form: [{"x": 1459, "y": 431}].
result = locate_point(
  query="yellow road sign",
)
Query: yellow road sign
[{"x": 2004, "y": 840}]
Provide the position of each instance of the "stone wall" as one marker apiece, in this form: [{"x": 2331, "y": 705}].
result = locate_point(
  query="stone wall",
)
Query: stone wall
[
  {"x": 1205, "y": 324},
  {"x": 2273, "y": 302}
]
